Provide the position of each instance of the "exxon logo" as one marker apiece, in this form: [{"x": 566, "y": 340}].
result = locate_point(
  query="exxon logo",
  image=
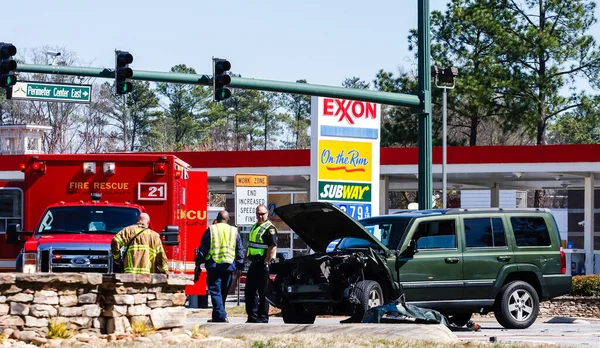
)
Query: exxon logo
[{"x": 348, "y": 111}]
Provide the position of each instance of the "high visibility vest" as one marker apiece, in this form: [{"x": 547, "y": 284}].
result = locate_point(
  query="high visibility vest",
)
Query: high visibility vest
[
  {"x": 222, "y": 243},
  {"x": 256, "y": 245}
]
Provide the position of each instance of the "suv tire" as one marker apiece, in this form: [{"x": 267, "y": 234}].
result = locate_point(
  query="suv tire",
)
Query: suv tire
[
  {"x": 369, "y": 295},
  {"x": 295, "y": 314},
  {"x": 459, "y": 319},
  {"x": 517, "y": 306}
]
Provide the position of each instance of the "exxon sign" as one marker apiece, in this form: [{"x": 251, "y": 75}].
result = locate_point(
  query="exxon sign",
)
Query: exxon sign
[{"x": 353, "y": 113}]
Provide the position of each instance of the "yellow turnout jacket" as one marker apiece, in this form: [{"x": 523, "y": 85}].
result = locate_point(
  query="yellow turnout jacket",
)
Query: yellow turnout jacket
[{"x": 145, "y": 254}]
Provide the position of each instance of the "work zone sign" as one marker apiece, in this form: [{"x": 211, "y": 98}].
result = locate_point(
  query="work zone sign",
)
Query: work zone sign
[
  {"x": 349, "y": 192},
  {"x": 250, "y": 191}
]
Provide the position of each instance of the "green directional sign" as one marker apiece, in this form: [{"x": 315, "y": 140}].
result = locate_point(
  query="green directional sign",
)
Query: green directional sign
[{"x": 52, "y": 92}]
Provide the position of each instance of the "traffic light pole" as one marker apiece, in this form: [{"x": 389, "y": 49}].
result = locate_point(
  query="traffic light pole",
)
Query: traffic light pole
[
  {"x": 424, "y": 198},
  {"x": 236, "y": 82}
]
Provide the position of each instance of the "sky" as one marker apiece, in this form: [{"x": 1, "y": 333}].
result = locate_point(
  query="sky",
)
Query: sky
[{"x": 322, "y": 41}]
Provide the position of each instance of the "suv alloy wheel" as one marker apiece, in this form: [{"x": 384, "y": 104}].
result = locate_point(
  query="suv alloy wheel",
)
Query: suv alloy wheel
[{"x": 517, "y": 306}]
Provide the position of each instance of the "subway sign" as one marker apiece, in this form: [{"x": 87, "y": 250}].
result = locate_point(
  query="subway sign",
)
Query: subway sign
[{"x": 348, "y": 192}]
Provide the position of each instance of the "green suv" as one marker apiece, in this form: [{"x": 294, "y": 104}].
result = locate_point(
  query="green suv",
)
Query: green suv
[{"x": 457, "y": 261}]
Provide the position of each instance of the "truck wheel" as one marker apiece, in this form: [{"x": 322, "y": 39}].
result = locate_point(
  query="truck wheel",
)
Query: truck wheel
[
  {"x": 295, "y": 314},
  {"x": 459, "y": 319},
  {"x": 369, "y": 295},
  {"x": 19, "y": 263},
  {"x": 517, "y": 306}
]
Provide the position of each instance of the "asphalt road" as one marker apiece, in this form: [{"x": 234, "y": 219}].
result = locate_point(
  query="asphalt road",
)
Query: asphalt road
[
  {"x": 578, "y": 333},
  {"x": 575, "y": 333}
]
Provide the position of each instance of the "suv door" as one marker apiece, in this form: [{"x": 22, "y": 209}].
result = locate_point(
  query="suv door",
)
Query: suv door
[
  {"x": 533, "y": 241},
  {"x": 486, "y": 253},
  {"x": 434, "y": 272}
]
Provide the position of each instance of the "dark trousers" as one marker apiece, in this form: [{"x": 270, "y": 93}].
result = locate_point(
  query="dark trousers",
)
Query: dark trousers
[
  {"x": 257, "y": 280},
  {"x": 218, "y": 281}
]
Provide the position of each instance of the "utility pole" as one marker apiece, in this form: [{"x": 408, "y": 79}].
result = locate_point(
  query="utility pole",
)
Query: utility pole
[{"x": 444, "y": 79}]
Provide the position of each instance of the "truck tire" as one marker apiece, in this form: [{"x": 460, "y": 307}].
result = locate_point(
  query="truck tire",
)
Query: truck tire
[
  {"x": 459, "y": 319},
  {"x": 19, "y": 263},
  {"x": 295, "y": 314},
  {"x": 369, "y": 295},
  {"x": 517, "y": 306}
]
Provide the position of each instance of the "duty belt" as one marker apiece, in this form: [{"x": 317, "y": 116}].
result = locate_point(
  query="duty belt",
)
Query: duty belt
[{"x": 257, "y": 245}]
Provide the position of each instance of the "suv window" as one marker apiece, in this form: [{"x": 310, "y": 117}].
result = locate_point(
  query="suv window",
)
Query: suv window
[
  {"x": 484, "y": 233},
  {"x": 436, "y": 235},
  {"x": 390, "y": 232},
  {"x": 530, "y": 231}
]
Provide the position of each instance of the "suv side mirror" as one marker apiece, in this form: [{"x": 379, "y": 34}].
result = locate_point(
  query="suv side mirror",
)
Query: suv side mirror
[
  {"x": 170, "y": 235},
  {"x": 411, "y": 249},
  {"x": 12, "y": 234}
]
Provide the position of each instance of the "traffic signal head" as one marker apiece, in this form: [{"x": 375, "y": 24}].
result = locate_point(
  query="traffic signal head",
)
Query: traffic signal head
[
  {"x": 7, "y": 65},
  {"x": 123, "y": 72},
  {"x": 447, "y": 75},
  {"x": 221, "y": 79}
]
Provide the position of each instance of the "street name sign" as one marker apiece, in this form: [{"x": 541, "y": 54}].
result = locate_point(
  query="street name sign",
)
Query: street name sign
[{"x": 27, "y": 90}]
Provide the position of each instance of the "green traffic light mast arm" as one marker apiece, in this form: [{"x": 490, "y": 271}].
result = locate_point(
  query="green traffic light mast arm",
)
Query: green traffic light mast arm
[{"x": 236, "y": 82}]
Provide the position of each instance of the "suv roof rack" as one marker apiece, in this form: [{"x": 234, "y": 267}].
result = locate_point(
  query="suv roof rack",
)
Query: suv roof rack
[{"x": 497, "y": 210}]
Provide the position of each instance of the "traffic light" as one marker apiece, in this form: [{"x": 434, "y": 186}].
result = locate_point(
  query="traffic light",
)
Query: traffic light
[
  {"x": 7, "y": 65},
  {"x": 444, "y": 75},
  {"x": 123, "y": 72},
  {"x": 447, "y": 75},
  {"x": 221, "y": 79}
]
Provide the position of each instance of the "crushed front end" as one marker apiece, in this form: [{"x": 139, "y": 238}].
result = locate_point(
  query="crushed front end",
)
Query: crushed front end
[{"x": 321, "y": 282}]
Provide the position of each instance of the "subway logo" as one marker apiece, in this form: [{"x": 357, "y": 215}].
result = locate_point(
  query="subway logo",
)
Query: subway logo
[{"x": 351, "y": 192}]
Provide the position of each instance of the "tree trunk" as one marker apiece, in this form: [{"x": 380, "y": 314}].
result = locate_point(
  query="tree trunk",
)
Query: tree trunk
[
  {"x": 297, "y": 126},
  {"x": 473, "y": 134},
  {"x": 537, "y": 198}
]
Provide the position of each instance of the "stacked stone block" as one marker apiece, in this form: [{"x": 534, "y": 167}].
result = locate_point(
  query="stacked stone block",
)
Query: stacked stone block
[
  {"x": 155, "y": 299},
  {"x": 91, "y": 302}
]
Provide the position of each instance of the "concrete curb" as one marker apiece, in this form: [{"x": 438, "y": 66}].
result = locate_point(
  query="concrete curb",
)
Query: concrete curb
[
  {"x": 430, "y": 332},
  {"x": 548, "y": 320},
  {"x": 568, "y": 320}
]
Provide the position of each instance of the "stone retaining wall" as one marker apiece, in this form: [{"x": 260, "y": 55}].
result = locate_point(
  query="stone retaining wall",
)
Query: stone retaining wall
[
  {"x": 90, "y": 302},
  {"x": 569, "y": 306}
]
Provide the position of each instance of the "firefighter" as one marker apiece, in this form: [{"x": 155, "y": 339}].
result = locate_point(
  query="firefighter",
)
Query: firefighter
[
  {"x": 221, "y": 245},
  {"x": 144, "y": 253},
  {"x": 262, "y": 246}
]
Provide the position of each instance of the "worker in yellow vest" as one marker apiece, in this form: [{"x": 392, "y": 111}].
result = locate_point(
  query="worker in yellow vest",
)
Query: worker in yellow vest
[
  {"x": 262, "y": 247},
  {"x": 222, "y": 253}
]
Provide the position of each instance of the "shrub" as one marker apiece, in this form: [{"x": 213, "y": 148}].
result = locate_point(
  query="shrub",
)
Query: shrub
[
  {"x": 142, "y": 327},
  {"x": 199, "y": 331},
  {"x": 59, "y": 330},
  {"x": 588, "y": 285}
]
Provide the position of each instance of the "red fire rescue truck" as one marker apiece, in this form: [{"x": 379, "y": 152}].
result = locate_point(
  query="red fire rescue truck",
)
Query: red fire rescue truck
[{"x": 73, "y": 205}]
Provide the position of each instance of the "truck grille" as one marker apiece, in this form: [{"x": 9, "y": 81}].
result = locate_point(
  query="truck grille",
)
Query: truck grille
[{"x": 95, "y": 259}]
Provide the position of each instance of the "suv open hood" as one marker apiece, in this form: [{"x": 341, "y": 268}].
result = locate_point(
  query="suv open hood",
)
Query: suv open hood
[{"x": 320, "y": 223}]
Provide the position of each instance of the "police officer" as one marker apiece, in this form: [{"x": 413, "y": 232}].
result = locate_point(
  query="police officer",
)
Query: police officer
[
  {"x": 221, "y": 245},
  {"x": 262, "y": 247}
]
